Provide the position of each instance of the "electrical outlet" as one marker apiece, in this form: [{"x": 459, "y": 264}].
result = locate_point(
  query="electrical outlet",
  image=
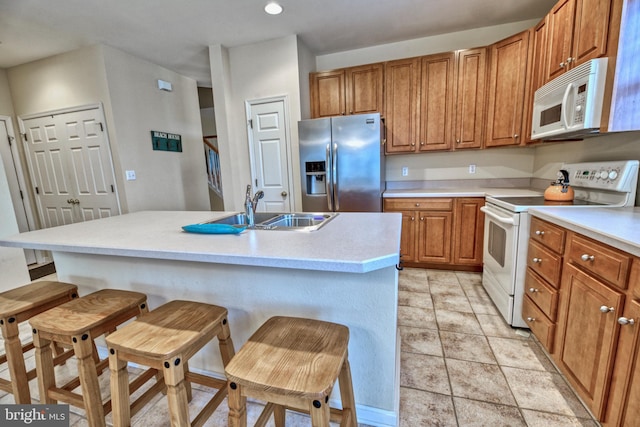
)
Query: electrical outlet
[
  {"x": 472, "y": 168},
  {"x": 131, "y": 175},
  {"x": 405, "y": 171}
]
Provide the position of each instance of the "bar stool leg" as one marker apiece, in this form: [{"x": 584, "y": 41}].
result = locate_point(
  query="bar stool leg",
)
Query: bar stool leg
[
  {"x": 346, "y": 394},
  {"x": 15, "y": 360},
  {"x": 87, "y": 372},
  {"x": 225, "y": 343},
  {"x": 176, "y": 392},
  {"x": 120, "y": 409},
  {"x": 187, "y": 384},
  {"x": 279, "y": 415},
  {"x": 320, "y": 413},
  {"x": 237, "y": 406},
  {"x": 44, "y": 367}
]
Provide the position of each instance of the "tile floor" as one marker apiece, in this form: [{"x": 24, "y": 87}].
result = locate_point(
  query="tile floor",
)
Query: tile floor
[{"x": 461, "y": 365}]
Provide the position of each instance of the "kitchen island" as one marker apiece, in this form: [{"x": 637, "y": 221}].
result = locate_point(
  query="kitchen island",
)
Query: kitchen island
[{"x": 345, "y": 272}]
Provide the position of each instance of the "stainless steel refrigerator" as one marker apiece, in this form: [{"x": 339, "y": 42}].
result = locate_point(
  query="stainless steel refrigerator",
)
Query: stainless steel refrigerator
[{"x": 342, "y": 163}]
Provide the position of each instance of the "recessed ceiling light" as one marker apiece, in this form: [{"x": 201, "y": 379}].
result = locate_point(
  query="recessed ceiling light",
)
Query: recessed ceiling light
[{"x": 273, "y": 8}]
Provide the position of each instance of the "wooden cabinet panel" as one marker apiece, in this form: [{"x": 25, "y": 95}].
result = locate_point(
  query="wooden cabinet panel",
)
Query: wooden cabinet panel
[
  {"x": 536, "y": 71},
  {"x": 468, "y": 231},
  {"x": 408, "y": 236},
  {"x": 470, "y": 98},
  {"x": 587, "y": 335},
  {"x": 364, "y": 88},
  {"x": 327, "y": 91},
  {"x": 436, "y": 101},
  {"x": 543, "y": 295},
  {"x": 434, "y": 236},
  {"x": 634, "y": 280},
  {"x": 544, "y": 262},
  {"x": 435, "y": 204},
  {"x": 507, "y": 74},
  {"x": 602, "y": 260},
  {"x": 548, "y": 234},
  {"x": 561, "y": 20},
  {"x": 591, "y": 30},
  {"x": 541, "y": 327},
  {"x": 402, "y": 103}
]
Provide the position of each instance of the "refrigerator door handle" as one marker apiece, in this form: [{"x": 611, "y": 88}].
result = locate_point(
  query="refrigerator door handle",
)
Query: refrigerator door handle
[
  {"x": 329, "y": 179},
  {"x": 334, "y": 177}
]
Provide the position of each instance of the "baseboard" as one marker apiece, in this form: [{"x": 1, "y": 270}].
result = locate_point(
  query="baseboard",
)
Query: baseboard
[{"x": 37, "y": 271}]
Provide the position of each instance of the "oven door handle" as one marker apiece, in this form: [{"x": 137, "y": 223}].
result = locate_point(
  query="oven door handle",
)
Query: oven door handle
[{"x": 498, "y": 218}]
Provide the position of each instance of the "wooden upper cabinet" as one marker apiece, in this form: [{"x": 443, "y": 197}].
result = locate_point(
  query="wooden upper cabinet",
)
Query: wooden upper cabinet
[
  {"x": 327, "y": 91},
  {"x": 536, "y": 72},
  {"x": 402, "y": 103},
  {"x": 470, "y": 98},
  {"x": 354, "y": 90},
  {"x": 507, "y": 75},
  {"x": 436, "y": 101},
  {"x": 578, "y": 32}
]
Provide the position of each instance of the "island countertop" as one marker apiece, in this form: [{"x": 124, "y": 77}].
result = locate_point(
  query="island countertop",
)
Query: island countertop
[{"x": 350, "y": 242}]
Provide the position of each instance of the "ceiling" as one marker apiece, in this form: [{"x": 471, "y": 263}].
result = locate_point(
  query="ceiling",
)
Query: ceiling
[{"x": 176, "y": 34}]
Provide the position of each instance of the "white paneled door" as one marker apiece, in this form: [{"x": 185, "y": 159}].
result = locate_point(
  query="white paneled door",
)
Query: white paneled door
[
  {"x": 269, "y": 146},
  {"x": 70, "y": 166}
]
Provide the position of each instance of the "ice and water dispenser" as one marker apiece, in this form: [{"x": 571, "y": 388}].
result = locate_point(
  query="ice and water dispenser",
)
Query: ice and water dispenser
[{"x": 316, "y": 173}]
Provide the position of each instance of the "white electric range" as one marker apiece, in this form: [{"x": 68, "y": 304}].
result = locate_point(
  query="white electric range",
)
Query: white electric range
[{"x": 507, "y": 226}]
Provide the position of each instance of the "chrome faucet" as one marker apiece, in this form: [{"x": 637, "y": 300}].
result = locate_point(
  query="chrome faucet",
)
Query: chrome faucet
[{"x": 250, "y": 205}]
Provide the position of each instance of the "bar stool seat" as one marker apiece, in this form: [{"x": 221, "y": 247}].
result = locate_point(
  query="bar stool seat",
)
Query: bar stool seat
[
  {"x": 292, "y": 363},
  {"x": 19, "y": 305},
  {"x": 77, "y": 324},
  {"x": 165, "y": 339}
]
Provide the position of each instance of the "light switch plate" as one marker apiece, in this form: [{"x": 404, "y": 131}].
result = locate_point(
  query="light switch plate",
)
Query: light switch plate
[{"x": 131, "y": 175}]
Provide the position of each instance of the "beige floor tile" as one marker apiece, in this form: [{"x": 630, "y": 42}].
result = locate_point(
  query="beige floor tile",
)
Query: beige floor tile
[
  {"x": 479, "y": 381},
  {"x": 473, "y": 348},
  {"x": 415, "y": 299},
  {"x": 454, "y": 321},
  {"x": 442, "y": 276},
  {"x": 543, "y": 391},
  {"x": 544, "y": 419},
  {"x": 480, "y": 306},
  {"x": 417, "y": 317},
  {"x": 469, "y": 278},
  {"x": 446, "y": 289},
  {"x": 414, "y": 280},
  {"x": 419, "y": 340},
  {"x": 452, "y": 303},
  {"x": 495, "y": 326},
  {"x": 421, "y": 408},
  {"x": 472, "y": 413},
  {"x": 424, "y": 372},
  {"x": 519, "y": 353}
]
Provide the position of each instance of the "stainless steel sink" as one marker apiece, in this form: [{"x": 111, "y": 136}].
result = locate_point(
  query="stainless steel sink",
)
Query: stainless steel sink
[{"x": 280, "y": 221}]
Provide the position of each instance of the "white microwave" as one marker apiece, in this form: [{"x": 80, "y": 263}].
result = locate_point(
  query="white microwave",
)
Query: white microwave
[{"x": 570, "y": 106}]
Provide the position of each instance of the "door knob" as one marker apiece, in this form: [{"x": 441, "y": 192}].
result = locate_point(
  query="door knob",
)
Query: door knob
[
  {"x": 76, "y": 202},
  {"x": 70, "y": 201},
  {"x": 283, "y": 194}
]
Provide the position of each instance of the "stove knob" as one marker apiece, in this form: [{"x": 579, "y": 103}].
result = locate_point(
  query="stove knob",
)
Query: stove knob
[
  {"x": 613, "y": 175},
  {"x": 604, "y": 174}
]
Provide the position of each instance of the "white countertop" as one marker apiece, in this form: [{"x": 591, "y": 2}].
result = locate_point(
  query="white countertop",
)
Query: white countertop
[
  {"x": 350, "y": 242},
  {"x": 617, "y": 227},
  {"x": 462, "y": 192}
]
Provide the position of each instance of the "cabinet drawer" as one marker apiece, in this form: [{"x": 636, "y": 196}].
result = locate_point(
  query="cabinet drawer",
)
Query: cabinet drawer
[
  {"x": 548, "y": 234},
  {"x": 423, "y": 204},
  {"x": 543, "y": 295},
  {"x": 541, "y": 327},
  {"x": 606, "y": 262},
  {"x": 546, "y": 263}
]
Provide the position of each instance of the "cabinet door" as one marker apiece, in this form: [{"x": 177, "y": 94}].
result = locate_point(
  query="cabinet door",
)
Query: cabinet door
[
  {"x": 587, "y": 335},
  {"x": 506, "y": 90},
  {"x": 436, "y": 102},
  {"x": 327, "y": 92},
  {"x": 591, "y": 30},
  {"x": 402, "y": 101},
  {"x": 468, "y": 231},
  {"x": 364, "y": 89},
  {"x": 408, "y": 237},
  {"x": 434, "y": 236},
  {"x": 624, "y": 400},
  {"x": 470, "y": 98},
  {"x": 538, "y": 51},
  {"x": 561, "y": 20}
]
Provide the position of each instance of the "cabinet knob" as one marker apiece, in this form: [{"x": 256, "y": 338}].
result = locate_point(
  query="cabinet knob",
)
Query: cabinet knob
[
  {"x": 537, "y": 260},
  {"x": 421, "y": 218},
  {"x": 515, "y": 136},
  {"x": 625, "y": 321},
  {"x": 586, "y": 257},
  {"x": 457, "y": 141},
  {"x": 421, "y": 142},
  {"x": 413, "y": 218},
  {"x": 539, "y": 233},
  {"x": 531, "y": 319},
  {"x": 533, "y": 290},
  {"x": 417, "y": 205},
  {"x": 570, "y": 60},
  {"x": 605, "y": 309},
  {"x": 413, "y": 144},
  {"x": 562, "y": 64}
]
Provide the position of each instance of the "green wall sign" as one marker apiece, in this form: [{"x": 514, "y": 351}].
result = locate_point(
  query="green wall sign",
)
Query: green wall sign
[{"x": 164, "y": 141}]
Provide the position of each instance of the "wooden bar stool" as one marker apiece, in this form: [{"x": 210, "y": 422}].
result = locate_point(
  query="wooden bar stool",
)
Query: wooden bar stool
[
  {"x": 165, "y": 339},
  {"x": 292, "y": 363},
  {"x": 16, "y": 306},
  {"x": 77, "y": 324}
]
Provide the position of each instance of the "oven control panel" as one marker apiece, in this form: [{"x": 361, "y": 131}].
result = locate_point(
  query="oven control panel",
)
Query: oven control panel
[{"x": 614, "y": 175}]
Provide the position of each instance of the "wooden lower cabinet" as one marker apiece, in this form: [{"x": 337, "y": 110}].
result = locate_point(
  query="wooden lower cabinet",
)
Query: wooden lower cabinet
[{"x": 440, "y": 232}]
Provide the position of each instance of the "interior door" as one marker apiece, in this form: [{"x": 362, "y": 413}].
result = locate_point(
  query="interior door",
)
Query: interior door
[
  {"x": 269, "y": 147},
  {"x": 70, "y": 166}
]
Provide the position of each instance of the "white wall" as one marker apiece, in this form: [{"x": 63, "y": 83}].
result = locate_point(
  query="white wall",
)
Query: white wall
[{"x": 245, "y": 73}]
